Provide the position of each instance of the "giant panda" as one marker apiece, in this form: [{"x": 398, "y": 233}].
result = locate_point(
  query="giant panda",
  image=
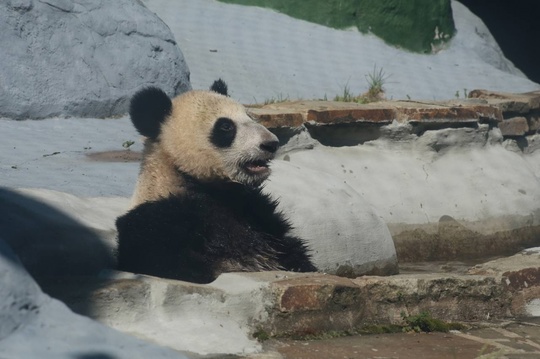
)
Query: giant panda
[{"x": 198, "y": 209}]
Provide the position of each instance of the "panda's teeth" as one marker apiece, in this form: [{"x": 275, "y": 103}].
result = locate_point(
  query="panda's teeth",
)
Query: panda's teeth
[{"x": 257, "y": 166}]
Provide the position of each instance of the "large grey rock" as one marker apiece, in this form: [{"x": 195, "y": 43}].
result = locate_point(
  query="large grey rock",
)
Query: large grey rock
[
  {"x": 32, "y": 325},
  {"x": 343, "y": 231},
  {"x": 83, "y": 58}
]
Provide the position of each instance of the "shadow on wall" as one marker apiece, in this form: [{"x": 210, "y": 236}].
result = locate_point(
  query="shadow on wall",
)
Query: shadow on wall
[
  {"x": 510, "y": 24},
  {"x": 53, "y": 247}
]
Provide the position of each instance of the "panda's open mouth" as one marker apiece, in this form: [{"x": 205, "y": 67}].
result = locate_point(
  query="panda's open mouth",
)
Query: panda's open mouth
[{"x": 256, "y": 167}]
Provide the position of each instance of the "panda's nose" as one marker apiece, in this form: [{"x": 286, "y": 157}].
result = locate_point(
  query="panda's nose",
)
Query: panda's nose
[{"x": 270, "y": 146}]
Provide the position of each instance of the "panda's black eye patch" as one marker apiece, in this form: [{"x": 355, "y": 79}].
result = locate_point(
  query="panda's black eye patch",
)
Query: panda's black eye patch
[{"x": 223, "y": 133}]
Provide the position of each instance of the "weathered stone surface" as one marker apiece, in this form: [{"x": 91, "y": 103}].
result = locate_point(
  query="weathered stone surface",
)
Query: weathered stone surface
[
  {"x": 336, "y": 116},
  {"x": 383, "y": 112},
  {"x": 413, "y": 181},
  {"x": 520, "y": 275},
  {"x": 304, "y": 305},
  {"x": 308, "y": 293},
  {"x": 327, "y": 213},
  {"x": 32, "y": 325},
  {"x": 452, "y": 240},
  {"x": 529, "y": 258},
  {"x": 236, "y": 305},
  {"x": 84, "y": 58},
  {"x": 447, "y": 297},
  {"x": 277, "y": 118},
  {"x": 509, "y": 102},
  {"x": 217, "y": 318},
  {"x": 453, "y": 110},
  {"x": 523, "y": 278},
  {"x": 515, "y": 126},
  {"x": 533, "y": 143},
  {"x": 533, "y": 121},
  {"x": 501, "y": 289}
]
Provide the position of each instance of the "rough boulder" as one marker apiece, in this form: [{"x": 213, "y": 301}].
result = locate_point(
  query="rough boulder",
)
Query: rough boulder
[{"x": 83, "y": 58}]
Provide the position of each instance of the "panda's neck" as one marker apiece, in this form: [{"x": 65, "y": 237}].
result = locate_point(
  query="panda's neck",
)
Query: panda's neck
[
  {"x": 158, "y": 177},
  {"x": 192, "y": 184}
]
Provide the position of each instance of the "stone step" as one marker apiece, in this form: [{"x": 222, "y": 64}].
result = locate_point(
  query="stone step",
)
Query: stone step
[
  {"x": 238, "y": 305},
  {"x": 501, "y": 289}
]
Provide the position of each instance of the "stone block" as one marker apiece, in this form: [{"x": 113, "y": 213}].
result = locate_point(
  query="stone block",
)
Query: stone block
[
  {"x": 315, "y": 304},
  {"x": 533, "y": 121},
  {"x": 520, "y": 103},
  {"x": 451, "y": 114},
  {"x": 83, "y": 59},
  {"x": 339, "y": 116},
  {"x": 294, "y": 114},
  {"x": 515, "y": 126},
  {"x": 319, "y": 292},
  {"x": 445, "y": 296},
  {"x": 275, "y": 118}
]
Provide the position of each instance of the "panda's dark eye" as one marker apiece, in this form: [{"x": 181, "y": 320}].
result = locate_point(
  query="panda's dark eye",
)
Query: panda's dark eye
[
  {"x": 226, "y": 126},
  {"x": 223, "y": 133}
]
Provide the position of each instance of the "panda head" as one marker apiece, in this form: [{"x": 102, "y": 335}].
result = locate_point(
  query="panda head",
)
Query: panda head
[{"x": 205, "y": 134}]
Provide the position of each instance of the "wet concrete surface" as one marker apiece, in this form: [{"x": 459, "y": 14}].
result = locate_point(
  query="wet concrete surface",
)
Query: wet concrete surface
[
  {"x": 455, "y": 267},
  {"x": 513, "y": 340}
]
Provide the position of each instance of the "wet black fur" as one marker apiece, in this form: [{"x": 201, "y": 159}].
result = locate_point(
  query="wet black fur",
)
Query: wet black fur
[
  {"x": 189, "y": 237},
  {"x": 148, "y": 109}
]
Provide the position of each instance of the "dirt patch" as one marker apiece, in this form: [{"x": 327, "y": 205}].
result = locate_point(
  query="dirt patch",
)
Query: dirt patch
[{"x": 115, "y": 156}]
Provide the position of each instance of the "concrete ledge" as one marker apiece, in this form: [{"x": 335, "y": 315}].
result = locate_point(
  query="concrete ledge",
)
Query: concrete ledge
[
  {"x": 517, "y": 115},
  {"x": 230, "y": 310},
  {"x": 294, "y": 114}
]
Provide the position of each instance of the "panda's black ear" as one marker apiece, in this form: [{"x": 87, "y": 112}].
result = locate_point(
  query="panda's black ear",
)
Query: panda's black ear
[
  {"x": 220, "y": 87},
  {"x": 148, "y": 109}
]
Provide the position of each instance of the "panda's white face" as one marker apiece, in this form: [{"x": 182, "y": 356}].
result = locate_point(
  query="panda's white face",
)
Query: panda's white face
[
  {"x": 211, "y": 137},
  {"x": 246, "y": 148}
]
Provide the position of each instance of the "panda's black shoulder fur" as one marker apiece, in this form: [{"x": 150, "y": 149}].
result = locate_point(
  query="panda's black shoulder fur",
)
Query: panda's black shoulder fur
[
  {"x": 197, "y": 236},
  {"x": 148, "y": 109}
]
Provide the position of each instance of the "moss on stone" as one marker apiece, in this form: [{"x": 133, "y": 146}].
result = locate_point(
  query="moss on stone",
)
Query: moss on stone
[
  {"x": 421, "y": 25},
  {"x": 261, "y": 335},
  {"x": 424, "y": 322}
]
